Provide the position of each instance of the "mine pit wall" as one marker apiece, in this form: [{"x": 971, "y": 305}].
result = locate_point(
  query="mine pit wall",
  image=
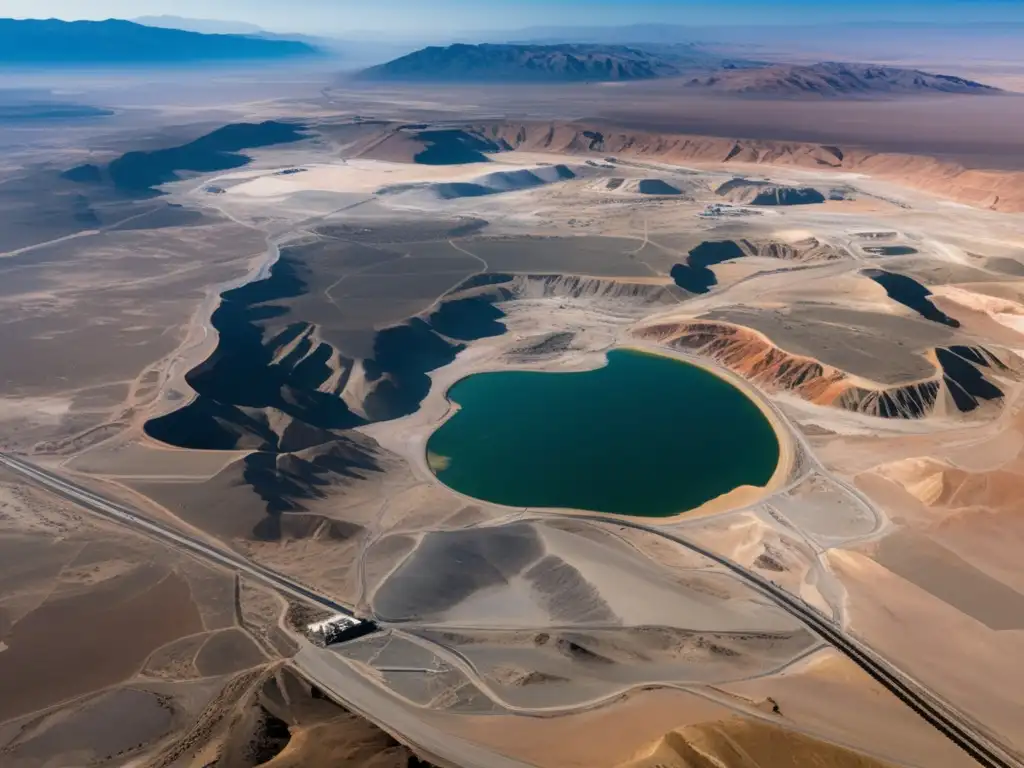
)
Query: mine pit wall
[
  {"x": 805, "y": 251},
  {"x": 603, "y": 290},
  {"x": 997, "y": 190},
  {"x": 760, "y": 362}
]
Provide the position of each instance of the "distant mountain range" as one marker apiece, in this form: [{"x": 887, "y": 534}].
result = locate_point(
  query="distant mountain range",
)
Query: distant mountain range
[
  {"x": 695, "y": 67},
  {"x": 540, "y": 63},
  {"x": 204, "y": 26},
  {"x": 834, "y": 79},
  {"x": 113, "y": 42},
  {"x": 218, "y": 27},
  {"x": 627, "y": 34},
  {"x": 49, "y": 110}
]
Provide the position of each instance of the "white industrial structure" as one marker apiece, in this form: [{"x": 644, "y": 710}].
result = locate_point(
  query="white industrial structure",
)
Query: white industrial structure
[{"x": 337, "y": 628}]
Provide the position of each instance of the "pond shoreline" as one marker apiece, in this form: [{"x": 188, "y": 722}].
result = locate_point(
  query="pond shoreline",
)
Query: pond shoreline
[{"x": 732, "y": 474}]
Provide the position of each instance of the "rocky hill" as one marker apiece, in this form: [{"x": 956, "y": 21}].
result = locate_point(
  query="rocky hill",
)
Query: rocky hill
[
  {"x": 834, "y": 79},
  {"x": 700, "y": 70},
  {"x": 524, "y": 63}
]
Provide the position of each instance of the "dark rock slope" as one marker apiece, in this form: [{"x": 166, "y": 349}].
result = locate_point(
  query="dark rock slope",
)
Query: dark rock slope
[{"x": 524, "y": 63}]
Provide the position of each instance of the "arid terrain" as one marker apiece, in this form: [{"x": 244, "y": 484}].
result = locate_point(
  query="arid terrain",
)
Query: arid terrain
[{"x": 244, "y": 328}]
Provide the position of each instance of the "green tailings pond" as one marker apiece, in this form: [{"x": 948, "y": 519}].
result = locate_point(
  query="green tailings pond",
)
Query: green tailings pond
[{"x": 646, "y": 435}]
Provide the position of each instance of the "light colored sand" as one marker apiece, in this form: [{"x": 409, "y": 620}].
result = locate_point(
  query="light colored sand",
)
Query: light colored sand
[
  {"x": 138, "y": 459},
  {"x": 366, "y": 176},
  {"x": 596, "y": 739},
  {"x": 47, "y": 409},
  {"x": 964, "y": 661},
  {"x": 739, "y": 742},
  {"x": 753, "y": 539},
  {"x": 830, "y": 697},
  {"x": 1006, "y": 313}
]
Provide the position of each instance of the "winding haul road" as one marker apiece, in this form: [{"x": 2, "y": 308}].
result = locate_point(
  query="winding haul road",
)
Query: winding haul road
[{"x": 945, "y": 718}]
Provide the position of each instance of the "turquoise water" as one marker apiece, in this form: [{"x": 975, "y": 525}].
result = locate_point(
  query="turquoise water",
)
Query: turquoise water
[{"x": 646, "y": 435}]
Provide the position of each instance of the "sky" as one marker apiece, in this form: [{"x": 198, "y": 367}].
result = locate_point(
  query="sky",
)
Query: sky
[{"x": 451, "y": 17}]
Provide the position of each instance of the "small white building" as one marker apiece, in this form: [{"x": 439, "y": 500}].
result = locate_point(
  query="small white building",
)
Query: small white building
[{"x": 337, "y": 628}]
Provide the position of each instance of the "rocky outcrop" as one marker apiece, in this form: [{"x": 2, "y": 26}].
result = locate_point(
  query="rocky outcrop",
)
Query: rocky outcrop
[
  {"x": 962, "y": 382},
  {"x": 748, "y": 192},
  {"x": 805, "y": 250},
  {"x": 638, "y": 294}
]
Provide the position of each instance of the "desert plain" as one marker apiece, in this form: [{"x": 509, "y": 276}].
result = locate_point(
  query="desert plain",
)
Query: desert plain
[{"x": 258, "y": 355}]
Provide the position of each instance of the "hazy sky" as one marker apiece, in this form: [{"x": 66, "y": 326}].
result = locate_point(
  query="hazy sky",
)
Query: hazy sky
[{"x": 434, "y": 17}]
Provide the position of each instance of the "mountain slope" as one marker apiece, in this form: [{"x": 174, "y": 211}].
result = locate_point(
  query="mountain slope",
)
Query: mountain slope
[
  {"x": 835, "y": 79},
  {"x": 113, "y": 42},
  {"x": 523, "y": 63}
]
